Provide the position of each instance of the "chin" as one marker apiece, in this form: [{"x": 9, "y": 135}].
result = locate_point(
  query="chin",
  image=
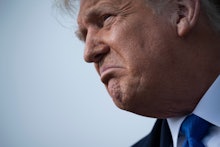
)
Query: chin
[
  {"x": 121, "y": 104},
  {"x": 123, "y": 94},
  {"x": 124, "y": 103}
]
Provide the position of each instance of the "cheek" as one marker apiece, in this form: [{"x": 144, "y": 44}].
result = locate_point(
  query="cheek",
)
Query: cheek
[{"x": 123, "y": 34}]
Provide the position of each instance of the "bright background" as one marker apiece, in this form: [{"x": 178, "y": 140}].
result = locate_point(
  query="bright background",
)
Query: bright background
[{"x": 48, "y": 96}]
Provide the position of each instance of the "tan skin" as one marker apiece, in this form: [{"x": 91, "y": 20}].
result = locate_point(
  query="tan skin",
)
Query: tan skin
[{"x": 149, "y": 64}]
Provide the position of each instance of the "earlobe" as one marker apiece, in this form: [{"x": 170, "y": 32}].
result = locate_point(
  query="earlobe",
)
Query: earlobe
[
  {"x": 188, "y": 13},
  {"x": 183, "y": 27}
]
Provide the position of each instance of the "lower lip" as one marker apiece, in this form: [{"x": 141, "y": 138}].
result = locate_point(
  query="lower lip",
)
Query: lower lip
[{"x": 106, "y": 74}]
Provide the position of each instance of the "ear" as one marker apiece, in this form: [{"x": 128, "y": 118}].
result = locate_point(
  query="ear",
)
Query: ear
[{"x": 187, "y": 16}]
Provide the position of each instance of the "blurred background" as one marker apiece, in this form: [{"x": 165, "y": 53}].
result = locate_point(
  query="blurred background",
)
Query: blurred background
[{"x": 48, "y": 96}]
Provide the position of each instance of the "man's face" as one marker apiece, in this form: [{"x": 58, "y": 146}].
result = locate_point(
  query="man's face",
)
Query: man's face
[{"x": 132, "y": 49}]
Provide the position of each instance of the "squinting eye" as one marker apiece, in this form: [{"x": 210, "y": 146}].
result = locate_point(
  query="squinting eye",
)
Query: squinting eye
[{"x": 104, "y": 19}]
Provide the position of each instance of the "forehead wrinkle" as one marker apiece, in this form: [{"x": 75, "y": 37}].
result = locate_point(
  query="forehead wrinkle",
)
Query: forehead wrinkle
[
  {"x": 96, "y": 5},
  {"x": 99, "y": 7},
  {"x": 111, "y": 6},
  {"x": 91, "y": 8},
  {"x": 85, "y": 5}
]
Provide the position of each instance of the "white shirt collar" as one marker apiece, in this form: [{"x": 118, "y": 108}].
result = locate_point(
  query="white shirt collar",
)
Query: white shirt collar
[{"x": 208, "y": 109}]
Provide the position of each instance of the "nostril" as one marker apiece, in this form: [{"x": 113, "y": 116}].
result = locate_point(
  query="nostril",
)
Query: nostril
[
  {"x": 93, "y": 57},
  {"x": 96, "y": 54},
  {"x": 98, "y": 58}
]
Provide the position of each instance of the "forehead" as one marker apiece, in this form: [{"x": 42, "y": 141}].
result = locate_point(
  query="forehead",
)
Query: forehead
[
  {"x": 88, "y": 5},
  {"x": 91, "y": 3}
]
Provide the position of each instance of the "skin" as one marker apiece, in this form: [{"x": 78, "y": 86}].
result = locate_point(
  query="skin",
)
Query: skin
[{"x": 149, "y": 64}]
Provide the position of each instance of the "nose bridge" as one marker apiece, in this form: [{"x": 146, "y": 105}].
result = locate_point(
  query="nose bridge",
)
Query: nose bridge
[
  {"x": 91, "y": 37},
  {"x": 90, "y": 44}
]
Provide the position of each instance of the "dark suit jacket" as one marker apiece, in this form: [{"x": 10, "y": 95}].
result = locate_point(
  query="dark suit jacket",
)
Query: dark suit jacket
[{"x": 160, "y": 136}]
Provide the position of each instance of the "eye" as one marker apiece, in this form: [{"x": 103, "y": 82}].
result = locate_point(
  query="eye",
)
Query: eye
[
  {"x": 105, "y": 20},
  {"x": 106, "y": 16}
]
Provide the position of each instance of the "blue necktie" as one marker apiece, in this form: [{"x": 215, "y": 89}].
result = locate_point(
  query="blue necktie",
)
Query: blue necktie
[{"x": 194, "y": 129}]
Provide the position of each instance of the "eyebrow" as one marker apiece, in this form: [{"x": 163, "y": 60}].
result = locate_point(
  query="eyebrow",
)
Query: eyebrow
[
  {"x": 99, "y": 10},
  {"x": 79, "y": 34},
  {"x": 95, "y": 12},
  {"x": 87, "y": 17}
]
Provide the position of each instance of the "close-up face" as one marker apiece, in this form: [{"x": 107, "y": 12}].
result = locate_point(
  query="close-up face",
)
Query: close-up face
[{"x": 133, "y": 51}]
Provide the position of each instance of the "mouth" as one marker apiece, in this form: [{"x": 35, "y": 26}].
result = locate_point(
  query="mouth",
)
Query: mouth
[{"x": 108, "y": 72}]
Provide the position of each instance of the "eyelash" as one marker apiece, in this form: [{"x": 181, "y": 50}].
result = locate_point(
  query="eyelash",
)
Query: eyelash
[{"x": 103, "y": 19}]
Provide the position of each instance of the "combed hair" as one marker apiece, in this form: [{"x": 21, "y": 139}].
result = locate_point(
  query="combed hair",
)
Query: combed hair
[
  {"x": 67, "y": 6},
  {"x": 212, "y": 10}
]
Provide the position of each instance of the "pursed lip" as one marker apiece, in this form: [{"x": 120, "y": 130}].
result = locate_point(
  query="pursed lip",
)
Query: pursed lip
[{"x": 106, "y": 72}]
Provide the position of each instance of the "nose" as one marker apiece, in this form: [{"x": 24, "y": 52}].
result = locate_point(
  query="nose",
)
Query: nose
[{"x": 95, "y": 48}]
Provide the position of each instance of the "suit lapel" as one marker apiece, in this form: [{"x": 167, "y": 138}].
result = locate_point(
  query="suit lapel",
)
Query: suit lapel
[{"x": 160, "y": 136}]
